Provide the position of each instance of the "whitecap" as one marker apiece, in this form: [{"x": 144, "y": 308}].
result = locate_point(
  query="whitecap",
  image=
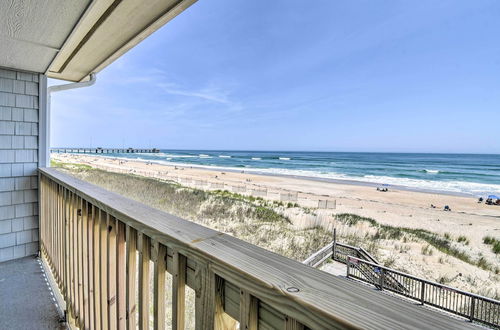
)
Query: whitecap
[{"x": 284, "y": 158}]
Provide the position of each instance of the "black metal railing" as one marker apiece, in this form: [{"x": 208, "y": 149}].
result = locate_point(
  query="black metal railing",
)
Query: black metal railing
[{"x": 466, "y": 304}]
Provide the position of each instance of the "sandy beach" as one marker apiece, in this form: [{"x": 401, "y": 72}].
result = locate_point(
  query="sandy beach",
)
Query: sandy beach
[{"x": 396, "y": 207}]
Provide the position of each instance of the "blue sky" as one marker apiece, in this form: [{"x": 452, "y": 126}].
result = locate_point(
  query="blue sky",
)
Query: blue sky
[{"x": 402, "y": 76}]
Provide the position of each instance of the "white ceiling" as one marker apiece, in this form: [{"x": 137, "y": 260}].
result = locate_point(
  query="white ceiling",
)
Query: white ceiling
[
  {"x": 69, "y": 39},
  {"x": 32, "y": 31}
]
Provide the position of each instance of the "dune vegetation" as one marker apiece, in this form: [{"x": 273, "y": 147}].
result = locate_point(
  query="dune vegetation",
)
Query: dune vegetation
[
  {"x": 294, "y": 231},
  {"x": 254, "y": 220}
]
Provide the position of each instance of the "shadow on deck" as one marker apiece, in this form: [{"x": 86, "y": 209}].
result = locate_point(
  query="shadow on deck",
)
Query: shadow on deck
[{"x": 25, "y": 299}]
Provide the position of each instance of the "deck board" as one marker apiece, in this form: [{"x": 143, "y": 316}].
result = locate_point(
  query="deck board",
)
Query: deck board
[{"x": 25, "y": 299}]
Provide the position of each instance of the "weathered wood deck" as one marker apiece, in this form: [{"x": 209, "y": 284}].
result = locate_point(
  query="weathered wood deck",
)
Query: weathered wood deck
[{"x": 25, "y": 299}]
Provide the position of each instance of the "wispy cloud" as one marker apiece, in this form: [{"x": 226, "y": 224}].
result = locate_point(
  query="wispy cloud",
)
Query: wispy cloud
[{"x": 212, "y": 95}]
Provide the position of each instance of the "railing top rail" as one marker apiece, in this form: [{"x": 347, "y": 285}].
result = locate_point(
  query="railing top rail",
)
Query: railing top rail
[
  {"x": 318, "y": 253},
  {"x": 426, "y": 281},
  {"x": 316, "y": 299},
  {"x": 368, "y": 255},
  {"x": 361, "y": 250},
  {"x": 347, "y": 246}
]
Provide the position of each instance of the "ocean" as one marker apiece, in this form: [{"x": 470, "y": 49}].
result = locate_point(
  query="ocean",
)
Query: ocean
[{"x": 476, "y": 175}]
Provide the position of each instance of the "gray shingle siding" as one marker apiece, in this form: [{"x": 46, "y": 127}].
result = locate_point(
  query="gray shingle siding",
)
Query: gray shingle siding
[{"x": 18, "y": 163}]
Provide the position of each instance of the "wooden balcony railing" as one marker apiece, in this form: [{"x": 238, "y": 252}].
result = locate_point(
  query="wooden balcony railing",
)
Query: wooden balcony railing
[{"x": 99, "y": 246}]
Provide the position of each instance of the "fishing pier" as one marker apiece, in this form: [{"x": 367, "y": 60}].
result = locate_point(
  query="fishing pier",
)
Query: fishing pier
[{"x": 103, "y": 150}]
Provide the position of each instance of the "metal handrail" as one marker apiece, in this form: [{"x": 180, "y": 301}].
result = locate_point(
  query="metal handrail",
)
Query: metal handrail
[
  {"x": 319, "y": 256},
  {"x": 476, "y": 307},
  {"x": 360, "y": 252}
]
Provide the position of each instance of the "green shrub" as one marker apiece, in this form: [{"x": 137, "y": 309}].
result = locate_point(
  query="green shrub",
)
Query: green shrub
[
  {"x": 463, "y": 239},
  {"x": 483, "y": 263},
  {"x": 488, "y": 240},
  {"x": 427, "y": 250},
  {"x": 496, "y": 247},
  {"x": 444, "y": 280}
]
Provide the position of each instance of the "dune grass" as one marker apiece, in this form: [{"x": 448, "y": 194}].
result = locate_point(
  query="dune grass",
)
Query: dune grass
[
  {"x": 495, "y": 243},
  {"x": 251, "y": 219},
  {"x": 440, "y": 243}
]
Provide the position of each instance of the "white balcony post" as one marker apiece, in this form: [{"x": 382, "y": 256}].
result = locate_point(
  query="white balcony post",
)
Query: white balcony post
[{"x": 43, "y": 124}]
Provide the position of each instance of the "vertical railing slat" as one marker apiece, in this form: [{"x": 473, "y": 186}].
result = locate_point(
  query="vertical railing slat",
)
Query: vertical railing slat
[
  {"x": 85, "y": 260},
  {"x": 90, "y": 263},
  {"x": 205, "y": 298},
  {"x": 178, "y": 290},
  {"x": 144, "y": 257},
  {"x": 67, "y": 251},
  {"x": 111, "y": 252},
  {"x": 76, "y": 295},
  {"x": 131, "y": 277},
  {"x": 249, "y": 311},
  {"x": 71, "y": 252},
  {"x": 97, "y": 267},
  {"x": 121, "y": 276},
  {"x": 104, "y": 268},
  {"x": 81, "y": 308},
  {"x": 160, "y": 268},
  {"x": 292, "y": 324}
]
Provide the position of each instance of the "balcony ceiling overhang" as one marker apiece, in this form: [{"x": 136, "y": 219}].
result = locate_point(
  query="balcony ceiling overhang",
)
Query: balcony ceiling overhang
[{"x": 70, "y": 39}]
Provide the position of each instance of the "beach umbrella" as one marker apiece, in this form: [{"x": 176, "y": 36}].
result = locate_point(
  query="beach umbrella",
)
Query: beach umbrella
[{"x": 493, "y": 197}]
